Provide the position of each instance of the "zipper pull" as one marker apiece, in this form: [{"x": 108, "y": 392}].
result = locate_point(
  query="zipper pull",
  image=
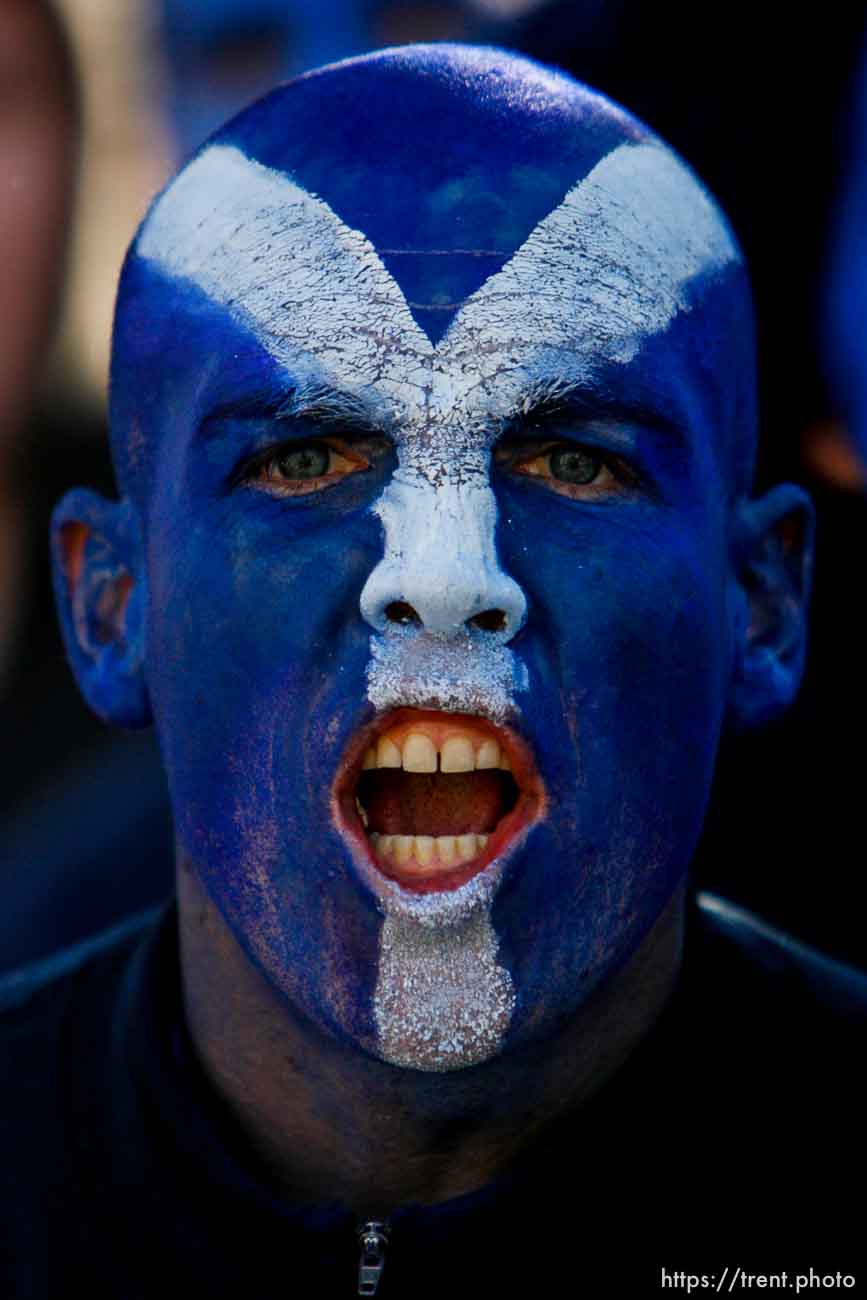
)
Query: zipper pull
[{"x": 372, "y": 1240}]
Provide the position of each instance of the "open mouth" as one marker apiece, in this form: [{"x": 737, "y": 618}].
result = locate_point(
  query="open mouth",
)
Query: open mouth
[{"x": 433, "y": 798}]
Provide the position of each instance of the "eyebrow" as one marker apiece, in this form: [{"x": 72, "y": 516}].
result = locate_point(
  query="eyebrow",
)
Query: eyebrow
[
  {"x": 547, "y": 401},
  {"x": 551, "y": 400},
  {"x": 317, "y": 402},
  {"x": 329, "y": 406}
]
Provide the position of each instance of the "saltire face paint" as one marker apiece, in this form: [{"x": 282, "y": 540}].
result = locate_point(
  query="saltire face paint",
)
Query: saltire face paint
[{"x": 432, "y": 386}]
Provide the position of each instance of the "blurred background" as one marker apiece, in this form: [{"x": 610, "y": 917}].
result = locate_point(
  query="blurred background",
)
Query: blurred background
[{"x": 99, "y": 102}]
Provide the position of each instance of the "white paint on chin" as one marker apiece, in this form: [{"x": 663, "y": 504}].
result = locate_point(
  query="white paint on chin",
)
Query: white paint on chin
[
  {"x": 442, "y": 1000},
  {"x": 602, "y": 273}
]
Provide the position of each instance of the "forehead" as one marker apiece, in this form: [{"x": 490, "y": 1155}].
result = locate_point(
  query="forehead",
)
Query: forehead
[
  {"x": 403, "y": 226},
  {"x": 445, "y": 166}
]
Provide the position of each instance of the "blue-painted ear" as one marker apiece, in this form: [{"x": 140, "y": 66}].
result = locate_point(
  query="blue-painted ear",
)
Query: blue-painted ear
[
  {"x": 96, "y": 554},
  {"x": 772, "y": 569}
]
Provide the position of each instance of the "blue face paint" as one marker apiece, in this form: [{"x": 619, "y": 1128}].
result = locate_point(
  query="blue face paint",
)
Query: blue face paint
[{"x": 434, "y": 419}]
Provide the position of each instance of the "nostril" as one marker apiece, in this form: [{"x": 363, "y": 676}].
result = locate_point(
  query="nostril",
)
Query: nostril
[
  {"x": 490, "y": 620},
  {"x": 399, "y": 611}
]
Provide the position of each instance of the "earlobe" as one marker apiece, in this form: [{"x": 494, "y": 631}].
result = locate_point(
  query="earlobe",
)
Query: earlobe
[
  {"x": 772, "y": 568},
  {"x": 99, "y": 585}
]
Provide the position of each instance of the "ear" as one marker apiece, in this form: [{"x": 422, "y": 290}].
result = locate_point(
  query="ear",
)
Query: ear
[
  {"x": 97, "y": 563},
  {"x": 772, "y": 570}
]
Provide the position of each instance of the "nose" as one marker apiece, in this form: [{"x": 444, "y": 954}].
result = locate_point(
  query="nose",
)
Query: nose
[{"x": 440, "y": 569}]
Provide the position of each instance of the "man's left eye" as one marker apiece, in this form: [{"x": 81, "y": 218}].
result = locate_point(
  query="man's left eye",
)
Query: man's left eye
[
  {"x": 571, "y": 470},
  {"x": 305, "y": 467}
]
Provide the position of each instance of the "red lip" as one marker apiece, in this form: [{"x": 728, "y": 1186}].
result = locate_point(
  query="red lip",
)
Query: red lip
[{"x": 525, "y": 792}]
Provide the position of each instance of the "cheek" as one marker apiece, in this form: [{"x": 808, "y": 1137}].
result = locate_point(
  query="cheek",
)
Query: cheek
[
  {"x": 259, "y": 676},
  {"x": 627, "y": 604},
  {"x": 632, "y": 666},
  {"x": 248, "y": 601},
  {"x": 627, "y": 651},
  {"x": 242, "y": 650}
]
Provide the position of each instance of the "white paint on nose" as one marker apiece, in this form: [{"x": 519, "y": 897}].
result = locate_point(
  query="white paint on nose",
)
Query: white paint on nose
[{"x": 440, "y": 556}]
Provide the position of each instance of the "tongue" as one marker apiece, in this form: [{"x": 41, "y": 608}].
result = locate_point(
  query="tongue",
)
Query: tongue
[{"x": 453, "y": 803}]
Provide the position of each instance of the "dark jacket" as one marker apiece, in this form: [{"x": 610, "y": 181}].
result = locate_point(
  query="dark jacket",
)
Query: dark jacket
[{"x": 731, "y": 1139}]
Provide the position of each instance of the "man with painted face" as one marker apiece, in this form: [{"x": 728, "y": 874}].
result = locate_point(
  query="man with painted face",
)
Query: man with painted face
[{"x": 436, "y": 569}]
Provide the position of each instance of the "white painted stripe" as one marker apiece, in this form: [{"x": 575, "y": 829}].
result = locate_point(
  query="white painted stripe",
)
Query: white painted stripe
[
  {"x": 312, "y": 290},
  {"x": 606, "y": 270},
  {"x": 470, "y": 673},
  {"x": 440, "y": 554},
  {"x": 442, "y": 1000}
]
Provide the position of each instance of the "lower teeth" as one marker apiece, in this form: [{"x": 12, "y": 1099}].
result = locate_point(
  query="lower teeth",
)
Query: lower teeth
[{"x": 425, "y": 850}]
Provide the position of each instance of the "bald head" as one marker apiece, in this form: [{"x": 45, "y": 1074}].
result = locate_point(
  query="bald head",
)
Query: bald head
[{"x": 367, "y": 228}]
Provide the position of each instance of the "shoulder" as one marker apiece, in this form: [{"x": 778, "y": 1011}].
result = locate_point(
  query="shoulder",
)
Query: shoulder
[
  {"x": 48, "y": 1010},
  {"x": 58, "y": 1019},
  {"x": 776, "y": 1034},
  {"x": 772, "y": 966},
  {"x": 40, "y": 989}
]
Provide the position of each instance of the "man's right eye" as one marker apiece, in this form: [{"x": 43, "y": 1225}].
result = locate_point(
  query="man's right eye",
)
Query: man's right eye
[{"x": 300, "y": 468}]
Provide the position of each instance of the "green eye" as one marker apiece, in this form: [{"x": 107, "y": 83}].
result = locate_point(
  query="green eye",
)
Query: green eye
[
  {"x": 575, "y": 471},
  {"x": 310, "y": 460},
  {"x": 573, "y": 465},
  {"x": 301, "y": 468}
]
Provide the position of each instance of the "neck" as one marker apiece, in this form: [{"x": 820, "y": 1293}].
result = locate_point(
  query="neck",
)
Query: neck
[{"x": 333, "y": 1124}]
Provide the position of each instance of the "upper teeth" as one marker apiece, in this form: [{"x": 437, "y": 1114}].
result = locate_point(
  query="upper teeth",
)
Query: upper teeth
[{"x": 417, "y": 751}]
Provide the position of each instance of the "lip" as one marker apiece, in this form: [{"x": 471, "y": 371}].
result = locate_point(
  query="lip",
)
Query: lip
[{"x": 502, "y": 840}]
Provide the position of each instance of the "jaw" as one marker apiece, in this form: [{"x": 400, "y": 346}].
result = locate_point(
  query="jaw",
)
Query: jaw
[{"x": 429, "y": 801}]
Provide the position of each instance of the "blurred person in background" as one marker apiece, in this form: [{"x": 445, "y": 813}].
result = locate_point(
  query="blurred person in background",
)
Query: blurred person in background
[
  {"x": 38, "y": 142},
  {"x": 845, "y": 305},
  {"x": 76, "y": 800},
  {"x": 220, "y": 54}
]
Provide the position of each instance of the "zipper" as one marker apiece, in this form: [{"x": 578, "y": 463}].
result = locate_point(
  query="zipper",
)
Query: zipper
[{"x": 372, "y": 1242}]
